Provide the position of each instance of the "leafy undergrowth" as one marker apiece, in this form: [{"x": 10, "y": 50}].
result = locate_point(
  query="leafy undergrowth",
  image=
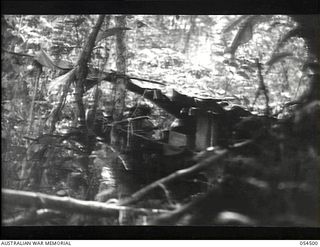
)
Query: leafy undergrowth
[{"x": 271, "y": 180}]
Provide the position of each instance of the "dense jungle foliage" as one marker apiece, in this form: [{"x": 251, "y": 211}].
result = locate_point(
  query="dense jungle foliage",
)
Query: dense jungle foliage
[{"x": 160, "y": 120}]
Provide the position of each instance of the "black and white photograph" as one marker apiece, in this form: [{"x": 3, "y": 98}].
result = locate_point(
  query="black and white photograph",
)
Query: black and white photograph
[{"x": 160, "y": 120}]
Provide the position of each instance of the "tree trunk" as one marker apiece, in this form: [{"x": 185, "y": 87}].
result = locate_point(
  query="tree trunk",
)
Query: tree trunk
[
  {"x": 83, "y": 70},
  {"x": 120, "y": 87},
  {"x": 82, "y": 75},
  {"x": 118, "y": 108},
  {"x": 190, "y": 32},
  {"x": 36, "y": 85},
  {"x": 98, "y": 92},
  {"x": 106, "y": 103},
  {"x": 62, "y": 100}
]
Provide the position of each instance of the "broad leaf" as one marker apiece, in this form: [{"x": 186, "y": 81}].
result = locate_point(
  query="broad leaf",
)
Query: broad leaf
[
  {"x": 243, "y": 36},
  {"x": 243, "y": 74},
  {"x": 297, "y": 32},
  {"x": 235, "y": 23},
  {"x": 45, "y": 60},
  {"x": 277, "y": 57},
  {"x": 55, "y": 84},
  {"x": 140, "y": 24},
  {"x": 245, "y": 32},
  {"x": 64, "y": 64}
]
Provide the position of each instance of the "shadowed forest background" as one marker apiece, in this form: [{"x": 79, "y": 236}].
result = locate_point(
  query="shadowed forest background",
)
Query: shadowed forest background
[{"x": 160, "y": 120}]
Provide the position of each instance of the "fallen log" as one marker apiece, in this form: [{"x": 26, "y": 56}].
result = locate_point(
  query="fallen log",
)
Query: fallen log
[{"x": 68, "y": 204}]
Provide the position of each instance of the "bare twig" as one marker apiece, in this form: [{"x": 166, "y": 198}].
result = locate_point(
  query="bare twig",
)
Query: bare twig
[
  {"x": 129, "y": 119},
  {"x": 151, "y": 81},
  {"x": 119, "y": 156},
  {"x": 68, "y": 204},
  {"x": 262, "y": 88},
  {"x": 167, "y": 194},
  {"x": 298, "y": 87}
]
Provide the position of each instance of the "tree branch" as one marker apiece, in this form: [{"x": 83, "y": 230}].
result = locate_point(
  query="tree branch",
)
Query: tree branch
[
  {"x": 262, "y": 88},
  {"x": 17, "y": 54},
  {"x": 69, "y": 78},
  {"x": 206, "y": 162},
  {"x": 68, "y": 204},
  {"x": 178, "y": 174}
]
